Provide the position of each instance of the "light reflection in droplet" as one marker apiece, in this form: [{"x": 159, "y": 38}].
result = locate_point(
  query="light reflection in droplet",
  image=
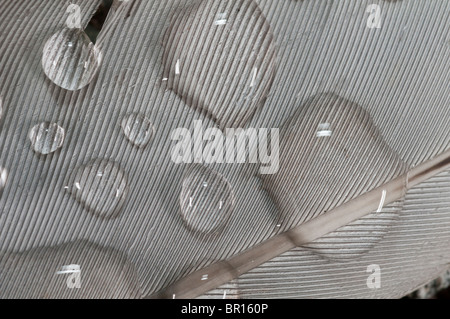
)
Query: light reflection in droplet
[
  {"x": 324, "y": 130},
  {"x": 101, "y": 186}
]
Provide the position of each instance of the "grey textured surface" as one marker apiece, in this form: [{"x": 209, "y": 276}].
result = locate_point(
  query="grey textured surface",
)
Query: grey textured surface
[
  {"x": 414, "y": 251},
  {"x": 399, "y": 74}
]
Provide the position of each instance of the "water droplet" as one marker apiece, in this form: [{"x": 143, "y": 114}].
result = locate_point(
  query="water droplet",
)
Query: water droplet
[
  {"x": 138, "y": 129},
  {"x": 46, "y": 137},
  {"x": 346, "y": 156},
  {"x": 217, "y": 66},
  {"x": 206, "y": 200},
  {"x": 3, "y": 177},
  {"x": 101, "y": 186},
  {"x": 70, "y": 59}
]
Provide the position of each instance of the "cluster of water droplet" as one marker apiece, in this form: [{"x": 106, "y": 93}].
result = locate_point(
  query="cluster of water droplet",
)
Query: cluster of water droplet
[
  {"x": 206, "y": 200},
  {"x": 71, "y": 61}
]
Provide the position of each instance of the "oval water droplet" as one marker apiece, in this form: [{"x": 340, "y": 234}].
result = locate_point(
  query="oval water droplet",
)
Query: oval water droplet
[
  {"x": 206, "y": 200},
  {"x": 70, "y": 59},
  {"x": 330, "y": 153},
  {"x": 138, "y": 129},
  {"x": 215, "y": 64},
  {"x": 3, "y": 178},
  {"x": 101, "y": 186},
  {"x": 46, "y": 137}
]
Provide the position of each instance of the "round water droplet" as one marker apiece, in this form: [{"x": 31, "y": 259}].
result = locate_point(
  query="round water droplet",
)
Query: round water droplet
[
  {"x": 101, "y": 186},
  {"x": 206, "y": 200},
  {"x": 138, "y": 129},
  {"x": 46, "y": 137},
  {"x": 70, "y": 59},
  {"x": 3, "y": 177}
]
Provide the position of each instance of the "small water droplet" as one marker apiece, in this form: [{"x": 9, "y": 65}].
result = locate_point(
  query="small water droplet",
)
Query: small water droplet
[
  {"x": 138, "y": 129},
  {"x": 46, "y": 137},
  {"x": 3, "y": 177},
  {"x": 206, "y": 200},
  {"x": 70, "y": 59},
  {"x": 101, "y": 186}
]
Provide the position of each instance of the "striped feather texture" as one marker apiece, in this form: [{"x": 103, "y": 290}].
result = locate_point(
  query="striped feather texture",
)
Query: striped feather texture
[{"x": 398, "y": 74}]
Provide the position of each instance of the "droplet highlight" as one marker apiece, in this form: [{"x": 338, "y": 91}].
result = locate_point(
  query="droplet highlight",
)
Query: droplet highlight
[
  {"x": 206, "y": 200},
  {"x": 101, "y": 186},
  {"x": 3, "y": 178},
  {"x": 46, "y": 137},
  {"x": 70, "y": 59},
  {"x": 137, "y": 129}
]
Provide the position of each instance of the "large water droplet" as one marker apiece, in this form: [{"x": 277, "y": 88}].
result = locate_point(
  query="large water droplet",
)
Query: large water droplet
[
  {"x": 138, "y": 129},
  {"x": 215, "y": 64},
  {"x": 46, "y": 137},
  {"x": 104, "y": 273},
  {"x": 206, "y": 200},
  {"x": 70, "y": 59},
  {"x": 330, "y": 153},
  {"x": 101, "y": 186}
]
